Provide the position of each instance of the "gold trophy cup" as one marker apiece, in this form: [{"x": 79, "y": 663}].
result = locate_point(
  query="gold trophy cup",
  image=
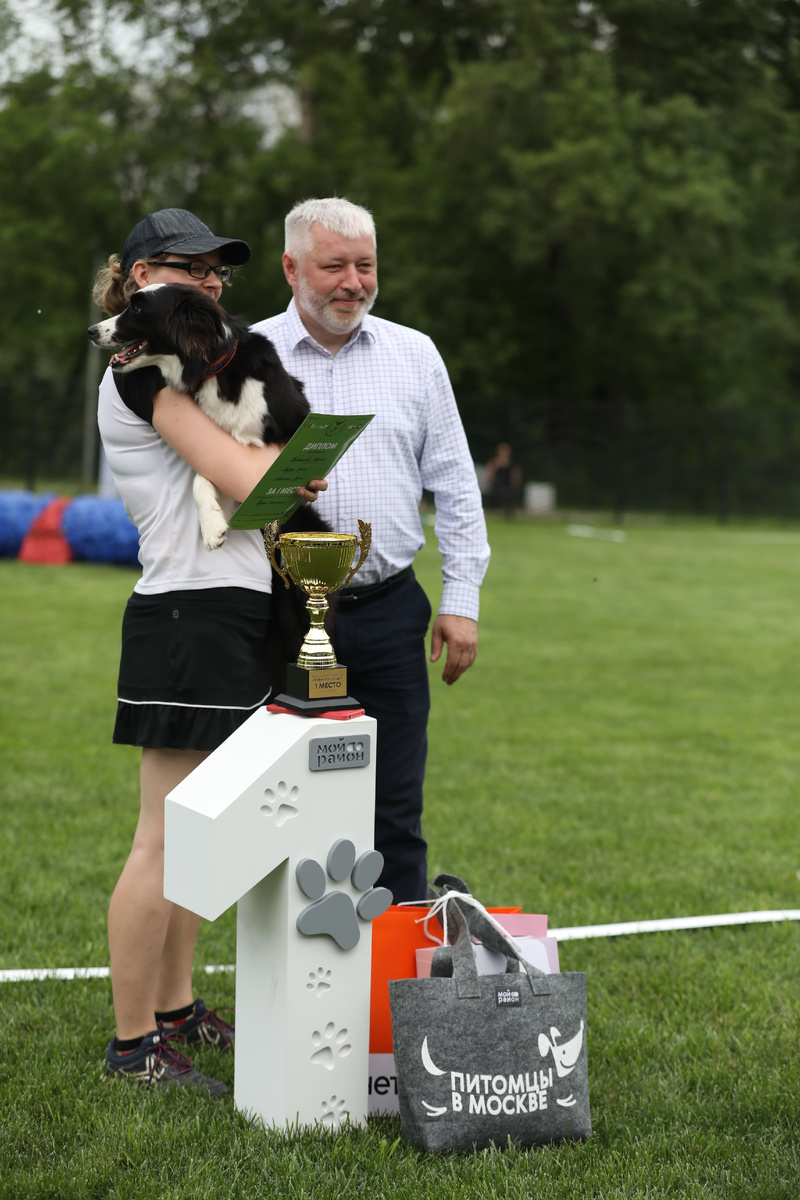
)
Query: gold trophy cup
[{"x": 318, "y": 563}]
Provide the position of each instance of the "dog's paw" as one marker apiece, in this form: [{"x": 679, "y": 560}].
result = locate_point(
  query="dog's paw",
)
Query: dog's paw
[
  {"x": 213, "y": 532},
  {"x": 213, "y": 522}
]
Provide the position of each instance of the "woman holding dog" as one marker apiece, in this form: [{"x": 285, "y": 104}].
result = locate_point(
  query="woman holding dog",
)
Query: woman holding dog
[{"x": 194, "y": 661}]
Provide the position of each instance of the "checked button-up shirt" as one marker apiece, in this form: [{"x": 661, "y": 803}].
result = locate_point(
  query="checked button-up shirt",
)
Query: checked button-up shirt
[{"x": 416, "y": 442}]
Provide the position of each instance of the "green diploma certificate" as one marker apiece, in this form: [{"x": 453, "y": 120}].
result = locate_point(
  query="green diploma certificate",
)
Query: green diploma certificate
[{"x": 311, "y": 453}]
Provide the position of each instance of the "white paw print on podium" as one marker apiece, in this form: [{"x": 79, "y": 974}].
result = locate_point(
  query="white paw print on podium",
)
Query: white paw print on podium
[
  {"x": 330, "y": 1045},
  {"x": 281, "y": 804}
]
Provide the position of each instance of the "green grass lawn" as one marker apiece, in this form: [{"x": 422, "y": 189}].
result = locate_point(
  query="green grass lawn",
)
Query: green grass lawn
[{"x": 624, "y": 748}]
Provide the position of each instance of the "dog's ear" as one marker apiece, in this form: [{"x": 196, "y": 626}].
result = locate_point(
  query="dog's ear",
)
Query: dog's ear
[{"x": 196, "y": 324}]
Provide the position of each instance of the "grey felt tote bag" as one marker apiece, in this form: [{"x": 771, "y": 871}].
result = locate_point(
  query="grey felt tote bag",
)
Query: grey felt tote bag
[{"x": 484, "y": 1059}]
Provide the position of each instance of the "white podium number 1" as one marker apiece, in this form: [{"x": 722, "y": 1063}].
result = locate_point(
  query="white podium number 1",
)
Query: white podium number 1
[{"x": 281, "y": 820}]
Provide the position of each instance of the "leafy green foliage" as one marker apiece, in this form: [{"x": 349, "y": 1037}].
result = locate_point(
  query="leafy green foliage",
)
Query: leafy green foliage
[{"x": 590, "y": 206}]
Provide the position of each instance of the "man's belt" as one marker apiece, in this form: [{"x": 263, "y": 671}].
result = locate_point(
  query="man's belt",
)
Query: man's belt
[{"x": 354, "y": 597}]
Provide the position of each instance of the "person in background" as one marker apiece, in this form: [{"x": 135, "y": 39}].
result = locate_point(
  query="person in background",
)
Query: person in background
[
  {"x": 194, "y": 657},
  {"x": 503, "y": 480},
  {"x": 352, "y": 362}
]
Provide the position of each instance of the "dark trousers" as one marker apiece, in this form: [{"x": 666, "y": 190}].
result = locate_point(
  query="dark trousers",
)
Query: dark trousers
[{"x": 382, "y": 644}]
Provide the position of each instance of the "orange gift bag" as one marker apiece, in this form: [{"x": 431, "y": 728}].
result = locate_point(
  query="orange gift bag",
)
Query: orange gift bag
[{"x": 396, "y": 937}]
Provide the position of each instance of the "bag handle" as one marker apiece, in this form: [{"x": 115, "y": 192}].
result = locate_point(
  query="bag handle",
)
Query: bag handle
[
  {"x": 480, "y": 923},
  {"x": 453, "y": 886},
  {"x": 458, "y": 959},
  {"x": 446, "y": 883},
  {"x": 485, "y": 930},
  {"x": 442, "y": 963}
]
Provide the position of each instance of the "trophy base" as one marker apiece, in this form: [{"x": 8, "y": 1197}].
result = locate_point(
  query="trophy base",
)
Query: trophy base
[
  {"x": 314, "y": 690},
  {"x": 316, "y": 708}
]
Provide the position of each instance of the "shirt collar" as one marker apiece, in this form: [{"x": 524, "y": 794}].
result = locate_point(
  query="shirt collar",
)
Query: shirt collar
[{"x": 298, "y": 332}]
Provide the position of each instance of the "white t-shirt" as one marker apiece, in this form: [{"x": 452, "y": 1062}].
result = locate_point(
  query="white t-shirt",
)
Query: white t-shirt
[{"x": 155, "y": 484}]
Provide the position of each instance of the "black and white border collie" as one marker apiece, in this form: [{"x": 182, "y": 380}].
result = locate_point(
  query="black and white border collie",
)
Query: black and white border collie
[{"x": 235, "y": 376}]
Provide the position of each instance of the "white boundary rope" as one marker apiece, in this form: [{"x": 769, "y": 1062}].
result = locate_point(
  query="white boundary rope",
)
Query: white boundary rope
[
  {"x": 22, "y": 975},
  {"x": 569, "y": 934},
  {"x": 671, "y": 923}
]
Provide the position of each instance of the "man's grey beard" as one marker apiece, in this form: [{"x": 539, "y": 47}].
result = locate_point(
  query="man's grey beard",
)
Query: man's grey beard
[{"x": 319, "y": 308}]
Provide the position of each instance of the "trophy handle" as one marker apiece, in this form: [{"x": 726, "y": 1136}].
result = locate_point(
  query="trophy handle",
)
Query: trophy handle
[
  {"x": 271, "y": 542},
  {"x": 365, "y": 529}
]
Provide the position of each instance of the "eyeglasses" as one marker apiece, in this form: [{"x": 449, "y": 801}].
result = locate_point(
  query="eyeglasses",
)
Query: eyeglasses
[{"x": 198, "y": 269}]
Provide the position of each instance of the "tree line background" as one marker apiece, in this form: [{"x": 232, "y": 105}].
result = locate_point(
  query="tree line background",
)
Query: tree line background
[{"x": 592, "y": 207}]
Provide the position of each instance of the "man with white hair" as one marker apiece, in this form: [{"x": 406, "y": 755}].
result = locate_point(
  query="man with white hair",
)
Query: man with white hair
[{"x": 352, "y": 362}]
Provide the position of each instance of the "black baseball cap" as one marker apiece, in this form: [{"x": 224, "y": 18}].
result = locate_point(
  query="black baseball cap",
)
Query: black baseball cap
[{"x": 179, "y": 231}]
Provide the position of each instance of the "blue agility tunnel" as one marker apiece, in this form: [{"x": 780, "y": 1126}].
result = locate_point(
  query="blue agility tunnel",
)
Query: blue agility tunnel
[
  {"x": 18, "y": 510},
  {"x": 99, "y": 530},
  {"x": 95, "y": 528}
]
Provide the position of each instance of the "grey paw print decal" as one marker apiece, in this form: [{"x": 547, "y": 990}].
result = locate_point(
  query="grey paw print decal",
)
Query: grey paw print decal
[{"x": 333, "y": 913}]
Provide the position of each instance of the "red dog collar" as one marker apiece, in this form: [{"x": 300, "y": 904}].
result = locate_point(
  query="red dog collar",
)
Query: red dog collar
[{"x": 222, "y": 362}]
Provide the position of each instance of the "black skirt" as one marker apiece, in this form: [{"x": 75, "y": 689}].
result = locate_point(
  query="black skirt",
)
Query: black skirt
[{"x": 193, "y": 667}]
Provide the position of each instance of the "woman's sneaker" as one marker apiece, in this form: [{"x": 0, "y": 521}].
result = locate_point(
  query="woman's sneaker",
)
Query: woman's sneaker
[
  {"x": 157, "y": 1061},
  {"x": 204, "y": 1025}
]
